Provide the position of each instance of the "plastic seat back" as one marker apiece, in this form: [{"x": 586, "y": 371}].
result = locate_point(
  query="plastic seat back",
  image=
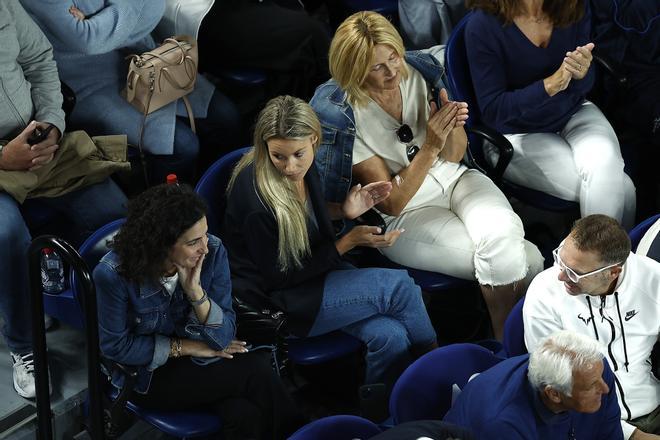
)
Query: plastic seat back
[
  {"x": 341, "y": 427},
  {"x": 424, "y": 390},
  {"x": 514, "y": 335}
]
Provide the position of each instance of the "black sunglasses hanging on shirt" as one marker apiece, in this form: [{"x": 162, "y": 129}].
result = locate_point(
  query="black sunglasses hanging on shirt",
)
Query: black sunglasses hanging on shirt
[{"x": 405, "y": 136}]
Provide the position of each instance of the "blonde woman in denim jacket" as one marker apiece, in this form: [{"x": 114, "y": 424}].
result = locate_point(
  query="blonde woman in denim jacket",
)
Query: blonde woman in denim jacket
[
  {"x": 164, "y": 301},
  {"x": 456, "y": 220}
]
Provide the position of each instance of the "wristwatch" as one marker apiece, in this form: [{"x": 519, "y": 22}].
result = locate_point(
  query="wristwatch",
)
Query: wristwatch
[{"x": 2, "y": 145}]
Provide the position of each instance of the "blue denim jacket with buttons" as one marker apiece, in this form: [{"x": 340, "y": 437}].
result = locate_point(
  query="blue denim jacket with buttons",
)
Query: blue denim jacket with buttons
[
  {"x": 334, "y": 157},
  {"x": 136, "y": 321}
]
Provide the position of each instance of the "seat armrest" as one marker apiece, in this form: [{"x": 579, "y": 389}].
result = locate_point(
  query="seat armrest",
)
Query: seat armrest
[
  {"x": 503, "y": 146},
  {"x": 130, "y": 373},
  {"x": 614, "y": 69}
]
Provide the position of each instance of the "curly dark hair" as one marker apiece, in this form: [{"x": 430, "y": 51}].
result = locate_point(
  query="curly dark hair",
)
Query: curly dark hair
[{"x": 156, "y": 219}]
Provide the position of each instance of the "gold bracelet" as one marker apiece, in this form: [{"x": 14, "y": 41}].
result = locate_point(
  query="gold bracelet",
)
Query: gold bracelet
[{"x": 175, "y": 347}]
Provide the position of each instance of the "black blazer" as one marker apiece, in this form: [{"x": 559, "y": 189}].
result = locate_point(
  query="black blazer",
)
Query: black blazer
[{"x": 251, "y": 238}]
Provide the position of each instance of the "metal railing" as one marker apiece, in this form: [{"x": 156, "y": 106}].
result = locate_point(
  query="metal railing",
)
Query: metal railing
[{"x": 88, "y": 302}]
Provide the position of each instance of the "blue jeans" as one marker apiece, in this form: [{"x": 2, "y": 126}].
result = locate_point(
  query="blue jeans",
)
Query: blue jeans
[
  {"x": 381, "y": 307},
  {"x": 87, "y": 208}
]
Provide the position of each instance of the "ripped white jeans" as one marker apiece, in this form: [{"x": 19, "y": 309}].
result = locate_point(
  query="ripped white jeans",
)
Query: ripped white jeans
[
  {"x": 471, "y": 232},
  {"x": 581, "y": 163}
]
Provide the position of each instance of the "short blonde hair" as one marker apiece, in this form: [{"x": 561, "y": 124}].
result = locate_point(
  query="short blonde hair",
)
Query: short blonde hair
[{"x": 351, "y": 51}]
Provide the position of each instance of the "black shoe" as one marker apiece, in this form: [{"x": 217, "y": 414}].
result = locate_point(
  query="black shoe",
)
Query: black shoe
[{"x": 374, "y": 402}]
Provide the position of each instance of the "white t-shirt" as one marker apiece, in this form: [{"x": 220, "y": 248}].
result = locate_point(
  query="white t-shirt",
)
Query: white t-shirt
[
  {"x": 169, "y": 283},
  {"x": 375, "y": 135}
]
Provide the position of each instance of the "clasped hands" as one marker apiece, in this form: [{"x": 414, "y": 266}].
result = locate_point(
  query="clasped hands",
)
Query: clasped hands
[
  {"x": 575, "y": 66},
  {"x": 442, "y": 121}
]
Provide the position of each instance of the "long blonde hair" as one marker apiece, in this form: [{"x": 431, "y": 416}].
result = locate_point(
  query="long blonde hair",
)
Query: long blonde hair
[
  {"x": 351, "y": 51},
  {"x": 283, "y": 117}
]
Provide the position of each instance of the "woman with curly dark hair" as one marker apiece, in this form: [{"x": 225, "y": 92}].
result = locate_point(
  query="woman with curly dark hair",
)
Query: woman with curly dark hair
[{"x": 164, "y": 302}]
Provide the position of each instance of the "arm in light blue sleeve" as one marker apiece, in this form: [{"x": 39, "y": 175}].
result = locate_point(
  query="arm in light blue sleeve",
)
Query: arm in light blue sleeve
[
  {"x": 220, "y": 326},
  {"x": 161, "y": 352},
  {"x": 498, "y": 105},
  {"x": 118, "y": 24}
]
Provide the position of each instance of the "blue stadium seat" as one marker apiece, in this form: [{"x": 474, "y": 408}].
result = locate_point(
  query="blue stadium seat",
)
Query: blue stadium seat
[
  {"x": 424, "y": 390},
  {"x": 243, "y": 76},
  {"x": 514, "y": 337},
  {"x": 341, "y": 427},
  {"x": 638, "y": 231}
]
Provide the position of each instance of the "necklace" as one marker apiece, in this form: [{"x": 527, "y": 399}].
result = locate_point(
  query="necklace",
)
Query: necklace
[{"x": 537, "y": 20}]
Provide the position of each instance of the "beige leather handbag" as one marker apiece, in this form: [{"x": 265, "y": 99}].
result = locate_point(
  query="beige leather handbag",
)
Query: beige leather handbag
[{"x": 160, "y": 76}]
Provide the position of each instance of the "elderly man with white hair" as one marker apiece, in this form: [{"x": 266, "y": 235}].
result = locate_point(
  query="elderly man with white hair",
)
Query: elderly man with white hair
[{"x": 563, "y": 390}]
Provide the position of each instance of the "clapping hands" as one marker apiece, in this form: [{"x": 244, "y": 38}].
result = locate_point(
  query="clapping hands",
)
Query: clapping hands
[
  {"x": 574, "y": 67},
  {"x": 360, "y": 198},
  {"x": 577, "y": 62}
]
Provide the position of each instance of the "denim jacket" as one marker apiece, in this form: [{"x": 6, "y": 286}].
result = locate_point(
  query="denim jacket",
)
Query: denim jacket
[
  {"x": 136, "y": 321},
  {"x": 334, "y": 157}
]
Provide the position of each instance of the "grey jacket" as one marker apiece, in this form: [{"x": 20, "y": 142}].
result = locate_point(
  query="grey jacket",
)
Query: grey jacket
[{"x": 28, "y": 74}]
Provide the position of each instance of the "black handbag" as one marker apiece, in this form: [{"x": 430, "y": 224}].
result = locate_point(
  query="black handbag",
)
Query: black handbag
[
  {"x": 372, "y": 218},
  {"x": 258, "y": 325}
]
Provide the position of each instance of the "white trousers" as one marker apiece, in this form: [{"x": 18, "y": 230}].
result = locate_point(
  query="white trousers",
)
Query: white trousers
[
  {"x": 582, "y": 163},
  {"x": 472, "y": 233}
]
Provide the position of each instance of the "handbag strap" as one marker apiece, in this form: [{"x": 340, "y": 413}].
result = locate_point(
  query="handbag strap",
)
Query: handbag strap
[
  {"x": 191, "y": 118},
  {"x": 190, "y": 71},
  {"x": 143, "y": 161},
  {"x": 162, "y": 58}
]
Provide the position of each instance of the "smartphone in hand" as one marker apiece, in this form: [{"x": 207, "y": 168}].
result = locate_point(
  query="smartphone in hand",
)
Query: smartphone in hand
[{"x": 39, "y": 134}]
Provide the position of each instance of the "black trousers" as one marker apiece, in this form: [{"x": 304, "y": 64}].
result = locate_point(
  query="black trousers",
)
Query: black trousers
[
  {"x": 246, "y": 393},
  {"x": 289, "y": 44}
]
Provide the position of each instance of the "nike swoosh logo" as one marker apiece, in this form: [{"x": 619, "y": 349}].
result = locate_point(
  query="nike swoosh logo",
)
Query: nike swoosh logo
[{"x": 629, "y": 317}]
